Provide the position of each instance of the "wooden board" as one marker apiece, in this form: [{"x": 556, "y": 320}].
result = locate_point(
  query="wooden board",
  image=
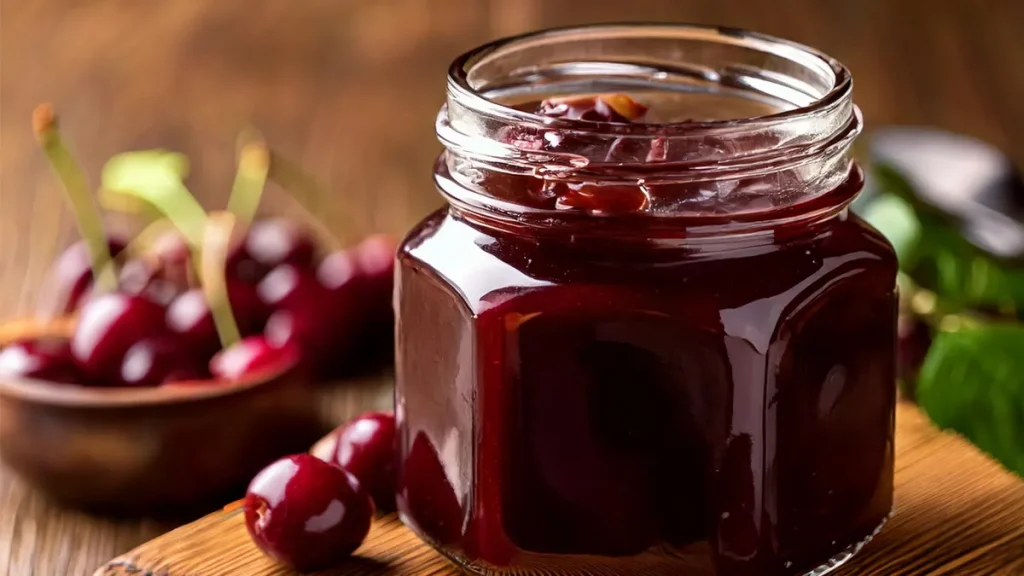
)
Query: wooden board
[{"x": 957, "y": 513}]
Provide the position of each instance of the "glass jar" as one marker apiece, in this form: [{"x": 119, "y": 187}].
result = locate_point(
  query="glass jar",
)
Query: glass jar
[{"x": 647, "y": 348}]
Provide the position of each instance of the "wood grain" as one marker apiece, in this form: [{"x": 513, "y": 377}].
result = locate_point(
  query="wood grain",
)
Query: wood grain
[
  {"x": 957, "y": 512},
  {"x": 349, "y": 89}
]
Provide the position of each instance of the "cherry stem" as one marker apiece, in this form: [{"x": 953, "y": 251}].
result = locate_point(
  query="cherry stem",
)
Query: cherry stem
[
  {"x": 155, "y": 177},
  {"x": 250, "y": 179},
  {"x": 212, "y": 264},
  {"x": 87, "y": 215},
  {"x": 308, "y": 195}
]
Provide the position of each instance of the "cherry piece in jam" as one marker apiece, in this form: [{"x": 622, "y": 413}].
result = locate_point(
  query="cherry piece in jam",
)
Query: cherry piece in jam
[
  {"x": 306, "y": 513},
  {"x": 366, "y": 449},
  {"x": 594, "y": 108},
  {"x": 602, "y": 200},
  {"x": 252, "y": 355},
  {"x": 109, "y": 324},
  {"x": 40, "y": 359}
]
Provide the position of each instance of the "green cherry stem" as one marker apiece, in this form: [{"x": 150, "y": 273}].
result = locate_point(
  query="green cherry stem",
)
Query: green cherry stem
[
  {"x": 306, "y": 193},
  {"x": 155, "y": 178},
  {"x": 87, "y": 215},
  {"x": 251, "y": 177},
  {"x": 212, "y": 264}
]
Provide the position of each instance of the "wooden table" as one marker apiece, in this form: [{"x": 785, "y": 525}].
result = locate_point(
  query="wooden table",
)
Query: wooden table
[{"x": 350, "y": 89}]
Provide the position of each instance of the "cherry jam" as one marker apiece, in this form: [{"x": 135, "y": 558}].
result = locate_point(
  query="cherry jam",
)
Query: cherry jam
[{"x": 693, "y": 383}]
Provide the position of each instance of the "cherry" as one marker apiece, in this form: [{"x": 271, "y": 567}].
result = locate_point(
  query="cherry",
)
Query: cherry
[
  {"x": 188, "y": 316},
  {"x": 341, "y": 274},
  {"x": 39, "y": 359},
  {"x": 595, "y": 108},
  {"x": 242, "y": 267},
  {"x": 143, "y": 279},
  {"x": 305, "y": 316},
  {"x": 72, "y": 273},
  {"x": 309, "y": 332},
  {"x": 109, "y": 324},
  {"x": 290, "y": 286},
  {"x": 155, "y": 361},
  {"x": 162, "y": 271},
  {"x": 375, "y": 257},
  {"x": 252, "y": 355},
  {"x": 366, "y": 449},
  {"x": 268, "y": 244},
  {"x": 306, "y": 513},
  {"x": 356, "y": 317}
]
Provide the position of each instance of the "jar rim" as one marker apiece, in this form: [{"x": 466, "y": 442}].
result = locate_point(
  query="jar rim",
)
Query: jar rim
[
  {"x": 742, "y": 164},
  {"x": 460, "y": 85}
]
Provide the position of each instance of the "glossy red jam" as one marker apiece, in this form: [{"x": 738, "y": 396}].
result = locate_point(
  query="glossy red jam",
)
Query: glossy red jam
[{"x": 620, "y": 394}]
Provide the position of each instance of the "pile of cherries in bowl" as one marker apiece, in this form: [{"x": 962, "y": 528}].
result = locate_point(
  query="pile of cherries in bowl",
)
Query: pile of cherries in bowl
[
  {"x": 312, "y": 511},
  {"x": 157, "y": 320},
  {"x": 156, "y": 328}
]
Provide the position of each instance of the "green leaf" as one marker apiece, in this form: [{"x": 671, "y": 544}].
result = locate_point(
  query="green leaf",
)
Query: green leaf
[
  {"x": 937, "y": 256},
  {"x": 972, "y": 381},
  {"x": 894, "y": 217}
]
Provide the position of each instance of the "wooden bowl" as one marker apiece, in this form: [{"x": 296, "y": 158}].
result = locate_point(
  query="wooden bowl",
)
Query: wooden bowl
[{"x": 152, "y": 450}]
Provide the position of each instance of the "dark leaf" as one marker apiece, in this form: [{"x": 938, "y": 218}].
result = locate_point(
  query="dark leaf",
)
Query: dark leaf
[{"x": 972, "y": 381}]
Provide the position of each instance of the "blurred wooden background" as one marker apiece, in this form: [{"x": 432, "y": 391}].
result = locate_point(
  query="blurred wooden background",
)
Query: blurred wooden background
[{"x": 350, "y": 90}]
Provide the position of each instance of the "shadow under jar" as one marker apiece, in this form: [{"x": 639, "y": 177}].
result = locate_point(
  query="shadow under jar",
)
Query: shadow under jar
[{"x": 664, "y": 347}]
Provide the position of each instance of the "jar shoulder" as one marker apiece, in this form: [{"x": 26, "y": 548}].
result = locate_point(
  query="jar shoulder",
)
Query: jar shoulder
[{"x": 484, "y": 266}]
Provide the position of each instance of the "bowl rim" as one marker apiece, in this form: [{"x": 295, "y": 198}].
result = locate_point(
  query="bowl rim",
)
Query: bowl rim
[{"x": 72, "y": 395}]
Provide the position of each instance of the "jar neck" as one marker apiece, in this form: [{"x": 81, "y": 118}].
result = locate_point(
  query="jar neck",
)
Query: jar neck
[
  {"x": 771, "y": 225},
  {"x": 699, "y": 162}
]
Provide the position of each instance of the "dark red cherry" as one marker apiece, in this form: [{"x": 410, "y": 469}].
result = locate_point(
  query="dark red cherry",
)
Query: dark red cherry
[
  {"x": 40, "y": 359},
  {"x": 71, "y": 273},
  {"x": 595, "y": 108},
  {"x": 242, "y": 267},
  {"x": 305, "y": 316},
  {"x": 188, "y": 316},
  {"x": 312, "y": 334},
  {"x": 270, "y": 243},
  {"x": 108, "y": 325},
  {"x": 375, "y": 257},
  {"x": 252, "y": 355},
  {"x": 339, "y": 272},
  {"x": 160, "y": 360},
  {"x": 141, "y": 278},
  {"x": 162, "y": 271},
  {"x": 375, "y": 260},
  {"x": 306, "y": 513},
  {"x": 366, "y": 449},
  {"x": 288, "y": 285},
  {"x": 427, "y": 494}
]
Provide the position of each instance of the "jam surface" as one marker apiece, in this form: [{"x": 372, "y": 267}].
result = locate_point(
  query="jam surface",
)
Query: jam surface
[{"x": 593, "y": 399}]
